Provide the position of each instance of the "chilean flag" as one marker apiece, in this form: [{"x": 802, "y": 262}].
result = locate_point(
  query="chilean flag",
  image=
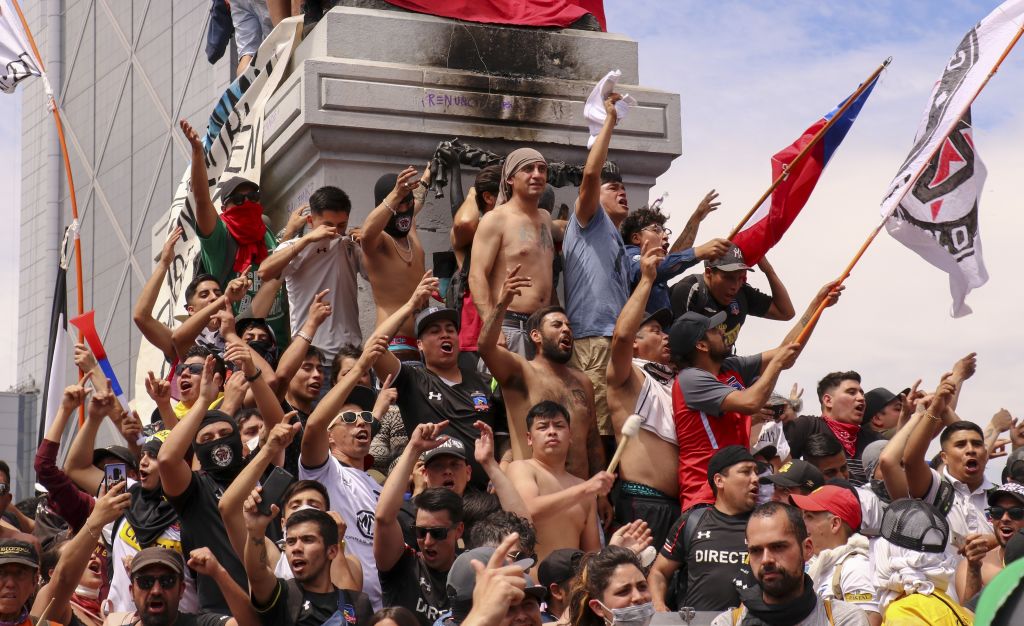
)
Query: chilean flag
[{"x": 771, "y": 220}]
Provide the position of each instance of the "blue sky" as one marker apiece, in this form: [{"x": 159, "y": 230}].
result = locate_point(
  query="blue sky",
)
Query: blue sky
[{"x": 752, "y": 76}]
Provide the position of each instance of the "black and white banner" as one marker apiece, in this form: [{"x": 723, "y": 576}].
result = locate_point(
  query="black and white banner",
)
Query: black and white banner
[
  {"x": 16, "y": 62},
  {"x": 932, "y": 203}
]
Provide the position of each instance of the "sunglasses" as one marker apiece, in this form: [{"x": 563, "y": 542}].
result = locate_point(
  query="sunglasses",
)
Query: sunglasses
[
  {"x": 1016, "y": 512},
  {"x": 145, "y": 582},
  {"x": 439, "y": 533},
  {"x": 239, "y": 197},
  {"x": 193, "y": 368},
  {"x": 349, "y": 417}
]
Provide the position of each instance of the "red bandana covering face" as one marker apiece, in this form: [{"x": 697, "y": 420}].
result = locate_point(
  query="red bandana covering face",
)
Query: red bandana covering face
[
  {"x": 245, "y": 223},
  {"x": 845, "y": 433}
]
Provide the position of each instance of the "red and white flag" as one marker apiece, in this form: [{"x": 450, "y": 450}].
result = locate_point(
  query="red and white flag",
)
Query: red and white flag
[{"x": 931, "y": 205}]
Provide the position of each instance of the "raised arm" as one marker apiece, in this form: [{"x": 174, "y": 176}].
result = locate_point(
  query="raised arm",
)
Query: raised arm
[
  {"x": 388, "y": 364},
  {"x": 590, "y": 189},
  {"x": 465, "y": 222},
  {"x": 204, "y": 562},
  {"x": 231, "y": 502},
  {"x": 782, "y": 306},
  {"x": 175, "y": 473},
  {"x": 258, "y": 568},
  {"x": 543, "y": 507},
  {"x": 159, "y": 391},
  {"x": 919, "y": 475},
  {"x": 295, "y": 353},
  {"x": 75, "y": 556},
  {"x": 689, "y": 235},
  {"x": 620, "y": 364},
  {"x": 378, "y": 218},
  {"x": 273, "y": 266},
  {"x": 315, "y": 447},
  {"x": 830, "y": 292},
  {"x": 152, "y": 329},
  {"x": 78, "y": 463},
  {"x": 483, "y": 452},
  {"x": 206, "y": 215},
  {"x": 388, "y": 544},
  {"x": 65, "y": 498},
  {"x": 486, "y": 243},
  {"x": 242, "y": 355},
  {"x": 506, "y": 366},
  {"x": 891, "y": 463},
  {"x": 185, "y": 335}
]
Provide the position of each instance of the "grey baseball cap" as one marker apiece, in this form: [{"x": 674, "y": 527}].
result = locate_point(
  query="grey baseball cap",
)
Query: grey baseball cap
[
  {"x": 433, "y": 314},
  {"x": 462, "y": 580},
  {"x": 689, "y": 328}
]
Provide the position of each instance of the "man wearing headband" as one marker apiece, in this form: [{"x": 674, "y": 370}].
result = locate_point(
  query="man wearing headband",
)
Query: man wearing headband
[
  {"x": 596, "y": 271},
  {"x": 515, "y": 236},
  {"x": 394, "y": 254}
]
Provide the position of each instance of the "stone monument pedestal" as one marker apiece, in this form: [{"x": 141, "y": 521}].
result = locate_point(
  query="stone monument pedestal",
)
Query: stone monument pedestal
[{"x": 373, "y": 91}]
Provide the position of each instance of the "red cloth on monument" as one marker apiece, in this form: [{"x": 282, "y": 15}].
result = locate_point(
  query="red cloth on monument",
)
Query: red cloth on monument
[{"x": 559, "y": 13}]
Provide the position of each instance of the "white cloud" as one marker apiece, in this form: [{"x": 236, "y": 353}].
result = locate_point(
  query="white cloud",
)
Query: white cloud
[{"x": 752, "y": 77}]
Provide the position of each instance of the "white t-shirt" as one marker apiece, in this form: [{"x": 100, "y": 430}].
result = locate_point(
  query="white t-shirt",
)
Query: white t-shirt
[
  {"x": 354, "y": 495},
  {"x": 125, "y": 546},
  {"x": 772, "y": 435},
  {"x": 856, "y": 582},
  {"x": 967, "y": 517},
  {"x": 329, "y": 264}
]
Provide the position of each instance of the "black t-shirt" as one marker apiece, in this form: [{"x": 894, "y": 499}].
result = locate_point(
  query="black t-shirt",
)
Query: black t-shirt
[
  {"x": 716, "y": 565},
  {"x": 410, "y": 583},
  {"x": 798, "y": 430},
  {"x": 315, "y": 608},
  {"x": 201, "y": 525},
  {"x": 423, "y": 397},
  {"x": 691, "y": 294},
  {"x": 202, "y": 619}
]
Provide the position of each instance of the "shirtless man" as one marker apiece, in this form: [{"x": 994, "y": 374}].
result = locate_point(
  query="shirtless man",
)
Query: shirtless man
[
  {"x": 563, "y": 506},
  {"x": 640, "y": 377},
  {"x": 548, "y": 376},
  {"x": 516, "y": 233},
  {"x": 393, "y": 252}
]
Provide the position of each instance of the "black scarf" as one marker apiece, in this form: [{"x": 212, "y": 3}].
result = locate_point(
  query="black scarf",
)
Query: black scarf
[
  {"x": 149, "y": 514},
  {"x": 760, "y": 613},
  {"x": 661, "y": 373}
]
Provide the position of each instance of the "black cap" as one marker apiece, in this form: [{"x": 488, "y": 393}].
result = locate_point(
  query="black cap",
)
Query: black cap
[
  {"x": 877, "y": 399},
  {"x": 19, "y": 552},
  {"x": 451, "y": 447},
  {"x": 796, "y": 474},
  {"x": 432, "y": 314},
  {"x": 120, "y": 452},
  {"x": 559, "y": 566},
  {"x": 689, "y": 328},
  {"x": 362, "y": 397},
  {"x": 725, "y": 458},
  {"x": 662, "y": 316},
  {"x": 731, "y": 261},
  {"x": 915, "y": 525}
]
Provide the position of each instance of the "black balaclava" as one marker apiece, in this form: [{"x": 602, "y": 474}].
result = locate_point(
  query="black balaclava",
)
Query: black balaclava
[
  {"x": 400, "y": 223},
  {"x": 221, "y": 458}
]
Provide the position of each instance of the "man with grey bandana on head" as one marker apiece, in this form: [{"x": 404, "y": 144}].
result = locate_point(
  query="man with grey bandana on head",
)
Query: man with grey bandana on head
[
  {"x": 515, "y": 234},
  {"x": 393, "y": 252}
]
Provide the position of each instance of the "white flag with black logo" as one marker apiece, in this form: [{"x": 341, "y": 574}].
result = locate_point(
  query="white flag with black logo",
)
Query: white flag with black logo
[{"x": 16, "y": 62}]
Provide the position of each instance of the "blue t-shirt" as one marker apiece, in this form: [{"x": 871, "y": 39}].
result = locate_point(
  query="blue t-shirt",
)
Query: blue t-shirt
[
  {"x": 596, "y": 275},
  {"x": 671, "y": 266}
]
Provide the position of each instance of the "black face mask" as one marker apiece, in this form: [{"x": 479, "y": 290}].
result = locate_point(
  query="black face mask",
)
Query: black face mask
[
  {"x": 878, "y": 486},
  {"x": 267, "y": 350},
  {"x": 221, "y": 458},
  {"x": 399, "y": 224}
]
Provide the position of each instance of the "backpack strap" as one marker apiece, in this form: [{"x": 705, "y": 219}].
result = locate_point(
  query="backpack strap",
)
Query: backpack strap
[
  {"x": 737, "y": 613},
  {"x": 837, "y": 573},
  {"x": 294, "y": 605},
  {"x": 697, "y": 297},
  {"x": 828, "y": 613},
  {"x": 696, "y": 514}
]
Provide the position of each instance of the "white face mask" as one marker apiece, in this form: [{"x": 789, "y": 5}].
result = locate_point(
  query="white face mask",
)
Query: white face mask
[
  {"x": 253, "y": 443},
  {"x": 638, "y": 615}
]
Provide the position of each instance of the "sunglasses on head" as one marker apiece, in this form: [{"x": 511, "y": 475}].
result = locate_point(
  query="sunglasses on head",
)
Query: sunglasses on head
[
  {"x": 238, "y": 197},
  {"x": 1016, "y": 512},
  {"x": 439, "y": 533},
  {"x": 145, "y": 582}
]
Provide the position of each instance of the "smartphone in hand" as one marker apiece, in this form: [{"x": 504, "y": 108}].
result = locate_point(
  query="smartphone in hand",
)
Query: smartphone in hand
[{"x": 273, "y": 490}]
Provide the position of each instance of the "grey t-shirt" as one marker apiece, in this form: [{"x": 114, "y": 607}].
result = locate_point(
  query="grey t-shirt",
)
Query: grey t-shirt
[
  {"x": 704, "y": 392},
  {"x": 596, "y": 275}
]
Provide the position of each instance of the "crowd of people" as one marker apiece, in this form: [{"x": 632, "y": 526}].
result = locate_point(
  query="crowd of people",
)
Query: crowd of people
[{"x": 456, "y": 466}]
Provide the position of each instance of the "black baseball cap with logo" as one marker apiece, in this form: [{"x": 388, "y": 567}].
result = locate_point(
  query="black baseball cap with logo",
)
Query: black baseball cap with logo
[
  {"x": 429, "y": 315},
  {"x": 689, "y": 328},
  {"x": 731, "y": 261},
  {"x": 796, "y": 474},
  {"x": 19, "y": 553}
]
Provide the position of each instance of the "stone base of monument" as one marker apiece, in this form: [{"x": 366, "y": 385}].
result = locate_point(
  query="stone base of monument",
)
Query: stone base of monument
[{"x": 374, "y": 91}]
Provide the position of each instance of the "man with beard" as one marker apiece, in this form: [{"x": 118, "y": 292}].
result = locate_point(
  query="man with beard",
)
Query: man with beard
[
  {"x": 311, "y": 545},
  {"x": 842, "y": 414},
  {"x": 706, "y": 544},
  {"x": 394, "y": 254},
  {"x": 778, "y": 545},
  {"x": 516, "y": 233},
  {"x": 640, "y": 383},
  {"x": 335, "y": 446},
  {"x": 217, "y": 445},
  {"x": 715, "y": 396},
  {"x": 234, "y": 243},
  {"x": 445, "y": 390},
  {"x": 563, "y": 506},
  {"x": 1006, "y": 510},
  {"x": 548, "y": 376},
  {"x": 322, "y": 265}
]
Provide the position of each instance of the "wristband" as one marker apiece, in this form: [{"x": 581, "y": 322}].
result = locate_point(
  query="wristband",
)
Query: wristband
[
  {"x": 302, "y": 335},
  {"x": 388, "y": 206},
  {"x": 253, "y": 378}
]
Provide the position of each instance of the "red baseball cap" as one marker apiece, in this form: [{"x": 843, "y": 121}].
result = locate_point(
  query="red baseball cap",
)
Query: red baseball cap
[{"x": 838, "y": 501}]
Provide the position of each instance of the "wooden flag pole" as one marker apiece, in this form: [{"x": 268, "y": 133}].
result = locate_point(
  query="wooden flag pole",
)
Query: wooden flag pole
[
  {"x": 802, "y": 338},
  {"x": 71, "y": 183},
  {"x": 813, "y": 142}
]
